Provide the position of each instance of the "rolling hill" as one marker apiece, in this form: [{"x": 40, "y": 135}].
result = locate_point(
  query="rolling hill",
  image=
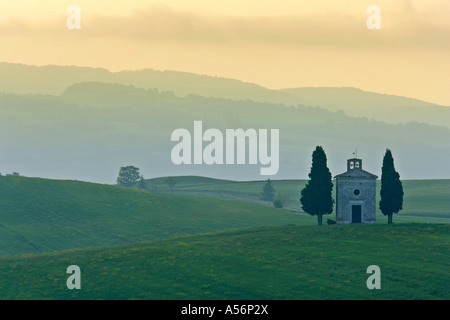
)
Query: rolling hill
[
  {"x": 53, "y": 80},
  {"x": 382, "y": 107},
  {"x": 40, "y": 215},
  {"x": 135, "y": 244},
  {"x": 268, "y": 263},
  {"x": 92, "y": 129}
]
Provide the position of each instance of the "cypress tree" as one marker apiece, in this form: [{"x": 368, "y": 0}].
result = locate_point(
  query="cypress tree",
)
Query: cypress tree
[
  {"x": 268, "y": 192},
  {"x": 316, "y": 198},
  {"x": 391, "y": 188}
]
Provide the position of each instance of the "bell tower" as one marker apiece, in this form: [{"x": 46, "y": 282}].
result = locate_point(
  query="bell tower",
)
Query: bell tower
[{"x": 354, "y": 163}]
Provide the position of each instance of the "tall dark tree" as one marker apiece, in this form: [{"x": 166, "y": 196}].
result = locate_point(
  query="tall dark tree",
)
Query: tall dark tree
[
  {"x": 128, "y": 176},
  {"x": 391, "y": 188},
  {"x": 316, "y": 198},
  {"x": 268, "y": 192}
]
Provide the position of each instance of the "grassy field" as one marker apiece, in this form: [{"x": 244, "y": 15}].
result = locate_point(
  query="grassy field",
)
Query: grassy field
[
  {"x": 212, "y": 239},
  {"x": 40, "y": 215},
  {"x": 283, "y": 262},
  {"x": 424, "y": 200}
]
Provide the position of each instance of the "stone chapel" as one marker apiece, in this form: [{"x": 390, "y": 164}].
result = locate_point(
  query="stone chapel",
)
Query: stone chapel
[{"x": 355, "y": 194}]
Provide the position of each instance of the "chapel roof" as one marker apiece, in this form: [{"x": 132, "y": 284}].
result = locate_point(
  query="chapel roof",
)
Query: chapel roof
[{"x": 356, "y": 173}]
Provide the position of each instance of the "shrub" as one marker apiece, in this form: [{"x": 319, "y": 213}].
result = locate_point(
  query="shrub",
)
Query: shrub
[{"x": 277, "y": 203}]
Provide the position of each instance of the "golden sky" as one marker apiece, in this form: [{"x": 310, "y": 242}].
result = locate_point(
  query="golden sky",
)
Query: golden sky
[{"x": 274, "y": 43}]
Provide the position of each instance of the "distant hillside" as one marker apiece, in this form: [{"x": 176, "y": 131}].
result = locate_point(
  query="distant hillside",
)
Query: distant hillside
[
  {"x": 25, "y": 79},
  {"x": 39, "y": 215},
  {"x": 269, "y": 263},
  {"x": 92, "y": 129},
  {"x": 387, "y": 108},
  {"x": 186, "y": 182},
  {"x": 354, "y": 98}
]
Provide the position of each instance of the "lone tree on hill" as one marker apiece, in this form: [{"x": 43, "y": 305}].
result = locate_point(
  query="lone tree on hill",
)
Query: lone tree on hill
[
  {"x": 391, "y": 188},
  {"x": 128, "y": 176},
  {"x": 268, "y": 192},
  {"x": 316, "y": 198}
]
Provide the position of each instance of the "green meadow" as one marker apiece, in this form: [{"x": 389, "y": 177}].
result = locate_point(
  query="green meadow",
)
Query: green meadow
[
  {"x": 41, "y": 215},
  {"x": 212, "y": 239},
  {"x": 279, "y": 262}
]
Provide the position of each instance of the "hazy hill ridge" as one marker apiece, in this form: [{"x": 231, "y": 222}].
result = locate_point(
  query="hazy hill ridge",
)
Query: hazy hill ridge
[
  {"x": 93, "y": 128},
  {"x": 24, "y": 79}
]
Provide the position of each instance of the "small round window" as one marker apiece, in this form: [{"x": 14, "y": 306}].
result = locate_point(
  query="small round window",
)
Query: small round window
[{"x": 356, "y": 192}]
